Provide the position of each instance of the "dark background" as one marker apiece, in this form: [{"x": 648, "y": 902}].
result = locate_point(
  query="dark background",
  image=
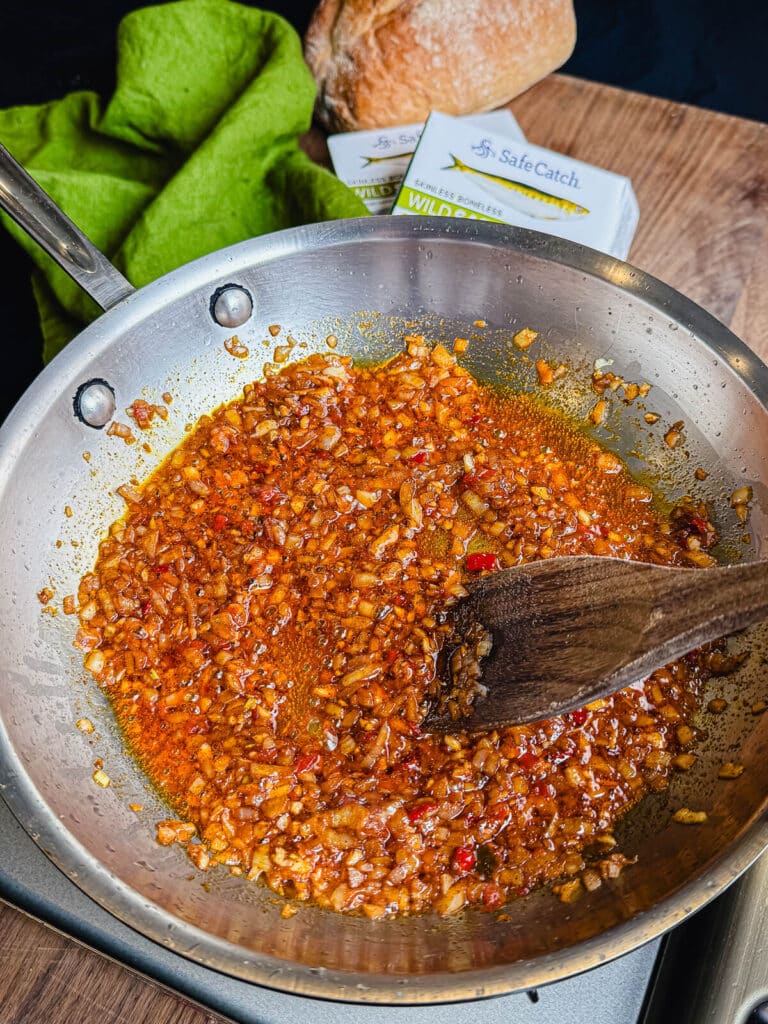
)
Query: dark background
[{"x": 710, "y": 53}]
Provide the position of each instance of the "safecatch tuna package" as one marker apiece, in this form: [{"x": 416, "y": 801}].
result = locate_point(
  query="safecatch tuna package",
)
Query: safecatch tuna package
[{"x": 462, "y": 170}]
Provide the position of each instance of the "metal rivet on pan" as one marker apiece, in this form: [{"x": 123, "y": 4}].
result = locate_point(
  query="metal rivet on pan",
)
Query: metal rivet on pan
[
  {"x": 231, "y": 305},
  {"x": 94, "y": 403}
]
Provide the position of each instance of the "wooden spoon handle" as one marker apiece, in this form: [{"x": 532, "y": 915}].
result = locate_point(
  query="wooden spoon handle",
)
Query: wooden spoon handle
[
  {"x": 693, "y": 606},
  {"x": 690, "y": 607}
]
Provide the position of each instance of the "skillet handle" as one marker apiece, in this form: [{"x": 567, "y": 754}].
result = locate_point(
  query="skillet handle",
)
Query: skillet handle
[{"x": 37, "y": 214}]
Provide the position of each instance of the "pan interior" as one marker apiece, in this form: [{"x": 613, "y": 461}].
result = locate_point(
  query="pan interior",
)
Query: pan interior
[{"x": 369, "y": 285}]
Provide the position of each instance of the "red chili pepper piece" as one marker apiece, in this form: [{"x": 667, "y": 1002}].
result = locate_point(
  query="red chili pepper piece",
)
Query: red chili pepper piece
[
  {"x": 528, "y": 760},
  {"x": 309, "y": 762},
  {"x": 699, "y": 525},
  {"x": 595, "y": 530},
  {"x": 219, "y": 521},
  {"x": 146, "y": 607},
  {"x": 463, "y": 859},
  {"x": 142, "y": 413},
  {"x": 472, "y": 420},
  {"x": 482, "y": 560},
  {"x": 268, "y": 494},
  {"x": 420, "y": 810},
  {"x": 471, "y": 479},
  {"x": 492, "y": 897},
  {"x": 390, "y": 656},
  {"x": 578, "y": 717},
  {"x": 419, "y": 458},
  {"x": 544, "y": 789},
  {"x": 497, "y": 812},
  {"x": 158, "y": 569}
]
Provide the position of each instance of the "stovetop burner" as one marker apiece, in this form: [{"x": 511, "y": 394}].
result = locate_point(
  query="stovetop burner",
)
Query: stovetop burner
[
  {"x": 612, "y": 994},
  {"x": 711, "y": 970}
]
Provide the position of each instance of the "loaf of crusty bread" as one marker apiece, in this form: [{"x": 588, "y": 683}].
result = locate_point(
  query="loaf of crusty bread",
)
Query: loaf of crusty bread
[{"x": 389, "y": 62}]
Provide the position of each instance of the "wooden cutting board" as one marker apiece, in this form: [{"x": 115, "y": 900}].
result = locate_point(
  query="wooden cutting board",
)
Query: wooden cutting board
[{"x": 702, "y": 184}]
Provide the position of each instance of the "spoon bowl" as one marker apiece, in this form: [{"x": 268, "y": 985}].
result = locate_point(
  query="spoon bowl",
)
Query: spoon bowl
[{"x": 567, "y": 631}]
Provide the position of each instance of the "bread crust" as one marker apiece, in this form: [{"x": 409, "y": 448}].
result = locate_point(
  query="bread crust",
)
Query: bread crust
[{"x": 389, "y": 62}]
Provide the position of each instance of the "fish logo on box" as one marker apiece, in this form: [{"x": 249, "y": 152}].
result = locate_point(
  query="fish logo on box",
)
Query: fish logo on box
[
  {"x": 526, "y": 199},
  {"x": 369, "y": 160}
]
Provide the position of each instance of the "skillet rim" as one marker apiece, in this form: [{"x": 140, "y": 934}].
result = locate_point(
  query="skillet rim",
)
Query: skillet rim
[{"x": 125, "y": 903}]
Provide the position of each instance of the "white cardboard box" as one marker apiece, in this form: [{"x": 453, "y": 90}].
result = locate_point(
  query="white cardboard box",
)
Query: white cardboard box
[{"x": 460, "y": 170}]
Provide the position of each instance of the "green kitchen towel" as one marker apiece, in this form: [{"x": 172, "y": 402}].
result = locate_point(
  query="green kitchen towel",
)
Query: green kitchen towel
[{"x": 197, "y": 149}]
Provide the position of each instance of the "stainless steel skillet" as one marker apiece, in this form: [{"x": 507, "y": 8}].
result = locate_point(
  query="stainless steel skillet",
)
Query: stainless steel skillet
[{"x": 365, "y": 281}]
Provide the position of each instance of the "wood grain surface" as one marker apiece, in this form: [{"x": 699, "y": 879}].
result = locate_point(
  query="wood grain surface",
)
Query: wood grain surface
[
  {"x": 702, "y": 184},
  {"x": 701, "y": 181},
  {"x": 46, "y": 978}
]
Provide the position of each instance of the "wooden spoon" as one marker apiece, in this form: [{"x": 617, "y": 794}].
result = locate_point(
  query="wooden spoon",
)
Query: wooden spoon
[{"x": 569, "y": 630}]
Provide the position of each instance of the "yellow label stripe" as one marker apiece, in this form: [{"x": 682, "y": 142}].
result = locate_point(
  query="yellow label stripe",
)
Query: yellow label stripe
[{"x": 424, "y": 205}]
